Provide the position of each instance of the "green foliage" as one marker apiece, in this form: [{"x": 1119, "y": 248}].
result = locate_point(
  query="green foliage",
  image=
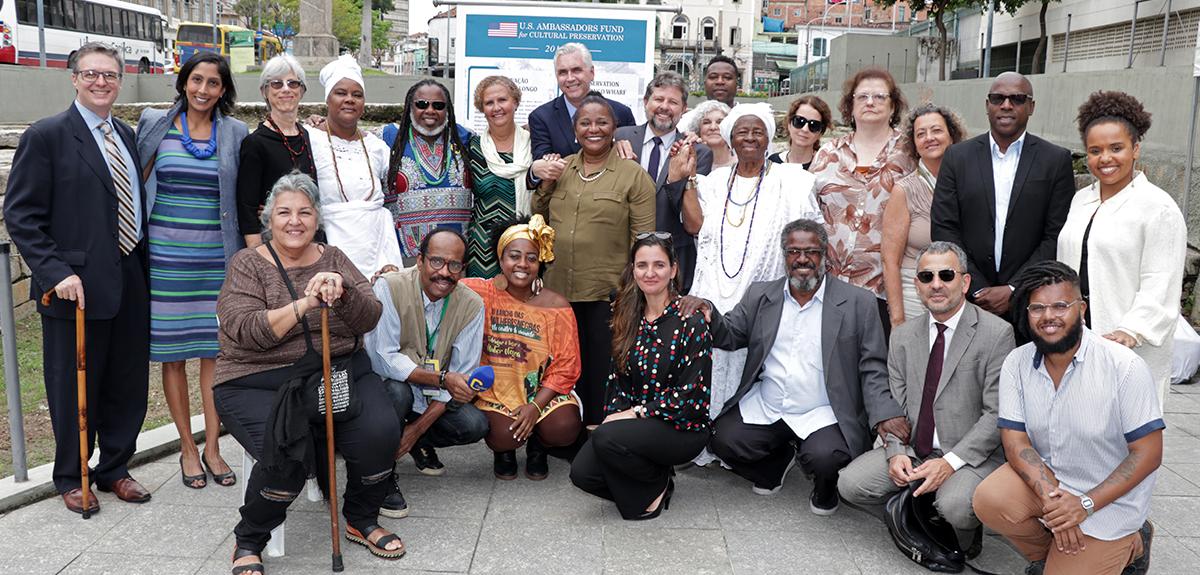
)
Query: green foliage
[{"x": 271, "y": 12}]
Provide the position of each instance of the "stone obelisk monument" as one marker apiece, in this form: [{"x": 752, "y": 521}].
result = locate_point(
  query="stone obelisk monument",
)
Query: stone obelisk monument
[{"x": 315, "y": 45}]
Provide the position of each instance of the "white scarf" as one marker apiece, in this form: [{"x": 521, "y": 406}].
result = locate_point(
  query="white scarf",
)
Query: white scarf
[{"x": 522, "y": 160}]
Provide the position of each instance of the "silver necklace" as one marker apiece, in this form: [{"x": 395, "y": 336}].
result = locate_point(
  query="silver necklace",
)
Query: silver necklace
[{"x": 592, "y": 177}]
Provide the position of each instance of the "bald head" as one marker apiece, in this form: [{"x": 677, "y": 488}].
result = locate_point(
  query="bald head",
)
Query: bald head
[
  {"x": 1013, "y": 80},
  {"x": 1009, "y": 106}
]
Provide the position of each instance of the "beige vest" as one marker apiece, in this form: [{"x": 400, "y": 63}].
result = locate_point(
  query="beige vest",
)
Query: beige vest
[{"x": 462, "y": 306}]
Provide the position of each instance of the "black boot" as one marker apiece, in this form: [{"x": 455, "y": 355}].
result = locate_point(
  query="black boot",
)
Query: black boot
[
  {"x": 536, "y": 467},
  {"x": 394, "y": 505},
  {"x": 504, "y": 465}
]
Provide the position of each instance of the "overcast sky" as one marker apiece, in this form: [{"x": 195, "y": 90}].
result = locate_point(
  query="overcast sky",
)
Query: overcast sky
[{"x": 419, "y": 13}]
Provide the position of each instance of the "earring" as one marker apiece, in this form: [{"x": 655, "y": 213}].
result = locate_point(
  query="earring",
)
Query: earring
[
  {"x": 501, "y": 282},
  {"x": 537, "y": 286}
]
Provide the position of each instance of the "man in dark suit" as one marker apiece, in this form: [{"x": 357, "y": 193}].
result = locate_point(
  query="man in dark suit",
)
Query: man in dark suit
[
  {"x": 551, "y": 125},
  {"x": 650, "y": 143},
  {"x": 944, "y": 367},
  {"x": 76, "y": 209},
  {"x": 1003, "y": 196},
  {"x": 815, "y": 374}
]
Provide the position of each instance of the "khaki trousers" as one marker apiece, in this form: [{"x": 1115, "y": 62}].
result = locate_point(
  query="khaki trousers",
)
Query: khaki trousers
[{"x": 1008, "y": 506}]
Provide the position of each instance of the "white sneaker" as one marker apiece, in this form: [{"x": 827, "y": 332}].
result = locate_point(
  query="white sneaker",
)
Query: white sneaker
[{"x": 764, "y": 491}]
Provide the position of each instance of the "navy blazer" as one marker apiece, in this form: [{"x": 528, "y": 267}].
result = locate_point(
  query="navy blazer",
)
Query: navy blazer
[
  {"x": 552, "y": 131},
  {"x": 668, "y": 204},
  {"x": 61, "y": 212}
]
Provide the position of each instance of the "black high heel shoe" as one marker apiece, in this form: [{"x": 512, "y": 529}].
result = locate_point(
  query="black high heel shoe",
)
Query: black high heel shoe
[
  {"x": 662, "y": 505},
  {"x": 226, "y": 479}
]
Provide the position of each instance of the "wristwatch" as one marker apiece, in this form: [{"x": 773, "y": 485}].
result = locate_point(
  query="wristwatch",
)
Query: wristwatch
[
  {"x": 639, "y": 411},
  {"x": 1088, "y": 504}
]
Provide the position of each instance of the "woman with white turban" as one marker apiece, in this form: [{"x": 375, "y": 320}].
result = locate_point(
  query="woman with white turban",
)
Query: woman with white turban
[
  {"x": 737, "y": 213},
  {"x": 351, "y": 164}
]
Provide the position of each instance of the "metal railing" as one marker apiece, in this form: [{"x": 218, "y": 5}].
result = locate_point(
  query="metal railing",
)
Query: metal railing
[{"x": 12, "y": 381}]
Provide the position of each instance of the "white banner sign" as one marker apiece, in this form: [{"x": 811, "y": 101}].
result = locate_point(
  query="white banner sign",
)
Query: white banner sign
[
  {"x": 495, "y": 40},
  {"x": 1196, "y": 63}
]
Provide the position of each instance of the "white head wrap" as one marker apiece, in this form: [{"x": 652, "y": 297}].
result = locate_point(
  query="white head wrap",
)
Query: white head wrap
[
  {"x": 760, "y": 110},
  {"x": 336, "y": 71}
]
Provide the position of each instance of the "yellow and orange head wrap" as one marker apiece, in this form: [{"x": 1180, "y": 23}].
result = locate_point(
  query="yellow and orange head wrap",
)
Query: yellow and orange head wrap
[{"x": 535, "y": 231}]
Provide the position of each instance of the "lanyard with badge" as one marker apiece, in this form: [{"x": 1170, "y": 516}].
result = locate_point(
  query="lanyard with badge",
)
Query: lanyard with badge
[{"x": 431, "y": 363}]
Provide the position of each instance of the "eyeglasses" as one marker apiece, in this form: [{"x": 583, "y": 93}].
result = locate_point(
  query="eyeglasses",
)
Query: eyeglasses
[
  {"x": 863, "y": 97},
  {"x": 438, "y": 263},
  {"x": 814, "y": 126},
  {"x": 1017, "y": 99},
  {"x": 279, "y": 84},
  {"x": 425, "y": 104},
  {"x": 90, "y": 76},
  {"x": 1057, "y": 309},
  {"x": 947, "y": 276},
  {"x": 808, "y": 253},
  {"x": 664, "y": 236}
]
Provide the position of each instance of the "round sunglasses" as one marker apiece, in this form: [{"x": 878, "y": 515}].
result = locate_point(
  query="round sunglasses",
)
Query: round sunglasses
[{"x": 814, "y": 126}]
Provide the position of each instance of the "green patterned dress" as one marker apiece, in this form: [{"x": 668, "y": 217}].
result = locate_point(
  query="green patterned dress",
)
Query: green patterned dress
[{"x": 494, "y": 200}]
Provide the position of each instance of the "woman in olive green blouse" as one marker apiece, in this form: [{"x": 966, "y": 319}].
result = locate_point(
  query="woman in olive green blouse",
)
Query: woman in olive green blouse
[{"x": 596, "y": 207}]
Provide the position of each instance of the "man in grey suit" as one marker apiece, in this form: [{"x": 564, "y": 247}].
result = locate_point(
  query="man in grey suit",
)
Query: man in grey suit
[
  {"x": 650, "y": 144},
  {"x": 815, "y": 382},
  {"x": 944, "y": 368}
]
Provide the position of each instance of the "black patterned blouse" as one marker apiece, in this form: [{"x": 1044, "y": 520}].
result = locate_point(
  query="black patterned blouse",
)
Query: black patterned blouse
[{"x": 670, "y": 366}]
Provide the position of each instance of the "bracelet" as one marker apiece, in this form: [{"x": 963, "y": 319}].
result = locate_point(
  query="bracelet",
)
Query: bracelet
[
  {"x": 442, "y": 379},
  {"x": 296, "y": 310}
]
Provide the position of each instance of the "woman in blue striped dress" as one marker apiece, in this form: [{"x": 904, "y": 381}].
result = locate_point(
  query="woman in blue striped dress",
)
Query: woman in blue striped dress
[{"x": 192, "y": 153}]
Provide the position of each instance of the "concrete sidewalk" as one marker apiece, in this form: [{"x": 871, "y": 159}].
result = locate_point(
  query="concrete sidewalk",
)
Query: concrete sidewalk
[{"x": 468, "y": 522}]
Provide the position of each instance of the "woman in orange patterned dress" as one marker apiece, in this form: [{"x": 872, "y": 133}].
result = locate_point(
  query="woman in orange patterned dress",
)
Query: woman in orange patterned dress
[{"x": 531, "y": 342}]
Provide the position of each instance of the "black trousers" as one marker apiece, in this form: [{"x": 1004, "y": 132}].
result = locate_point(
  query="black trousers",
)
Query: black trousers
[
  {"x": 118, "y": 372},
  {"x": 367, "y": 443},
  {"x": 595, "y": 354},
  {"x": 629, "y": 461},
  {"x": 761, "y": 453},
  {"x": 685, "y": 256},
  {"x": 885, "y": 317}
]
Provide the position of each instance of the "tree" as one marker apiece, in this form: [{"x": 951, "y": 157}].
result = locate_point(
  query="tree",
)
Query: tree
[
  {"x": 347, "y": 24},
  {"x": 937, "y": 10},
  {"x": 268, "y": 12},
  {"x": 1011, "y": 6}
]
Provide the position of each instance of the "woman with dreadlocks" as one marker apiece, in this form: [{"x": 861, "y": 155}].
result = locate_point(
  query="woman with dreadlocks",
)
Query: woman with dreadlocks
[{"x": 427, "y": 179}]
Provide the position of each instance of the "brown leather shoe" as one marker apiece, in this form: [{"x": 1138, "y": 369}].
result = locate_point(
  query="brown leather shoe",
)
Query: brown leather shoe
[
  {"x": 127, "y": 489},
  {"x": 74, "y": 501}
]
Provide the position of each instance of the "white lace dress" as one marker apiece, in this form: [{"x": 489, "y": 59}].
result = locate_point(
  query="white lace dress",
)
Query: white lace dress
[
  {"x": 739, "y": 244},
  {"x": 350, "y": 178}
]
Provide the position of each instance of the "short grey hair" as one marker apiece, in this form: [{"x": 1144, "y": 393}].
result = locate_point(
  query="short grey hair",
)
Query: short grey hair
[
  {"x": 97, "y": 48},
  {"x": 805, "y": 225},
  {"x": 943, "y": 247},
  {"x": 293, "y": 182},
  {"x": 574, "y": 48},
  {"x": 667, "y": 79},
  {"x": 275, "y": 69},
  {"x": 699, "y": 112}
]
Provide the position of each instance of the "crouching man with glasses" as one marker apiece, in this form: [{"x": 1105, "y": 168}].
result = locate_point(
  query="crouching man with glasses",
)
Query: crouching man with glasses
[
  {"x": 1082, "y": 430},
  {"x": 944, "y": 370},
  {"x": 428, "y": 339}
]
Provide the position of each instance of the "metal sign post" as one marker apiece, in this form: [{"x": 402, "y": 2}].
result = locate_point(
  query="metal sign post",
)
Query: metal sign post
[
  {"x": 41, "y": 9},
  {"x": 1191, "y": 156},
  {"x": 12, "y": 383}
]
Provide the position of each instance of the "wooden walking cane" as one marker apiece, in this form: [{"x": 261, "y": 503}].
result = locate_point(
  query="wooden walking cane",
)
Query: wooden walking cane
[
  {"x": 81, "y": 398},
  {"x": 333, "y": 505}
]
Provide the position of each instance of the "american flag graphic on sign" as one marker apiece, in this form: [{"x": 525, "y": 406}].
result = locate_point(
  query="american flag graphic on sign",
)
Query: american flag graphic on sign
[{"x": 502, "y": 30}]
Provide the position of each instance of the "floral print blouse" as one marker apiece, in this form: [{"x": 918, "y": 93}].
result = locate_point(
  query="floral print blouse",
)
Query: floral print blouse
[
  {"x": 852, "y": 202},
  {"x": 668, "y": 371}
]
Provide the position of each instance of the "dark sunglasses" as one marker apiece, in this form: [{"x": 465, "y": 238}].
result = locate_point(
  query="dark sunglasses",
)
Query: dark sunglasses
[
  {"x": 664, "y": 236},
  {"x": 814, "y": 126},
  {"x": 1017, "y": 99},
  {"x": 425, "y": 104},
  {"x": 946, "y": 276},
  {"x": 279, "y": 84}
]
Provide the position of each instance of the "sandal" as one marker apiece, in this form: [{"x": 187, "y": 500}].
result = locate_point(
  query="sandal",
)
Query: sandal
[
  {"x": 379, "y": 548},
  {"x": 238, "y": 553},
  {"x": 193, "y": 481},
  {"x": 227, "y": 479}
]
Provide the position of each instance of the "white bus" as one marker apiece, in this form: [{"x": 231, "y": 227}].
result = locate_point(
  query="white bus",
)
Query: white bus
[{"x": 136, "y": 30}]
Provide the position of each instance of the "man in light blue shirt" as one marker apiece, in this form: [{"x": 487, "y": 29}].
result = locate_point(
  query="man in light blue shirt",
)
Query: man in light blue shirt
[
  {"x": 1082, "y": 429},
  {"x": 428, "y": 339}
]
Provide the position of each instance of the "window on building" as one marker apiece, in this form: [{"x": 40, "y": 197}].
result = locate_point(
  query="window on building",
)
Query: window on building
[
  {"x": 679, "y": 27},
  {"x": 778, "y": 11},
  {"x": 709, "y": 28},
  {"x": 820, "y": 47},
  {"x": 866, "y": 13},
  {"x": 796, "y": 13}
]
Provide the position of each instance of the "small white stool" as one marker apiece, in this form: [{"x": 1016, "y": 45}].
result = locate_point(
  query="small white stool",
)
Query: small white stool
[{"x": 275, "y": 547}]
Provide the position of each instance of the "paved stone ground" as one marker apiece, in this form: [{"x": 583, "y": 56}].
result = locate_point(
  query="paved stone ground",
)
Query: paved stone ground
[{"x": 468, "y": 522}]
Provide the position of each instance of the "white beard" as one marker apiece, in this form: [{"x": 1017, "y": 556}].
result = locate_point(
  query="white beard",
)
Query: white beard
[{"x": 429, "y": 132}]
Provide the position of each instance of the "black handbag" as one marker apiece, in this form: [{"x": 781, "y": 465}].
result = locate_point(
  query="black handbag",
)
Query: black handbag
[
  {"x": 310, "y": 367},
  {"x": 921, "y": 533}
]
